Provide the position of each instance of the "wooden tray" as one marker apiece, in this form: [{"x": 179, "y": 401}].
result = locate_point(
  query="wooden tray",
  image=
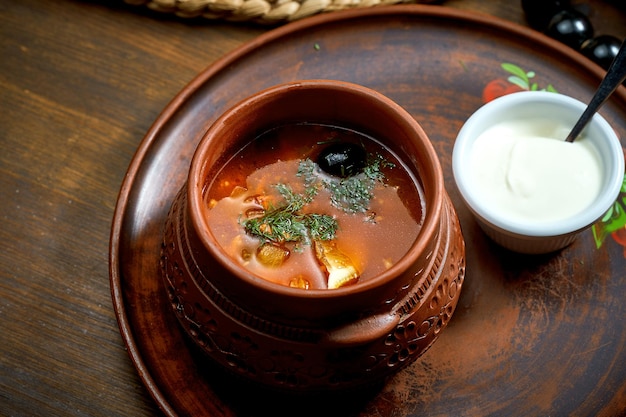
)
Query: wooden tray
[{"x": 541, "y": 335}]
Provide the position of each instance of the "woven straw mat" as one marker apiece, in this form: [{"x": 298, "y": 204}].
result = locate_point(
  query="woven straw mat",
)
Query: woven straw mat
[{"x": 260, "y": 11}]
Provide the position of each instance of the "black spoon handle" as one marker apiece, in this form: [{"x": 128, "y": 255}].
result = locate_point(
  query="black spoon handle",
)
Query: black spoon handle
[{"x": 615, "y": 75}]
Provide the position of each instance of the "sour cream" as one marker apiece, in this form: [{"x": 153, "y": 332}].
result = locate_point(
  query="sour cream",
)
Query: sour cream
[{"x": 526, "y": 171}]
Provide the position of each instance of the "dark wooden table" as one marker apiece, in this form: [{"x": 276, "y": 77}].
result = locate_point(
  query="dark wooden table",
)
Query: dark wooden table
[{"x": 81, "y": 84}]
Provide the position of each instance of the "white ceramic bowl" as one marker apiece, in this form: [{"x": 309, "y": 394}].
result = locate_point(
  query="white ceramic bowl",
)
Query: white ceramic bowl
[{"x": 536, "y": 236}]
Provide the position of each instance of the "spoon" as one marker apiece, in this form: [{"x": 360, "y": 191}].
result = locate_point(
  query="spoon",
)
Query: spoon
[{"x": 615, "y": 75}]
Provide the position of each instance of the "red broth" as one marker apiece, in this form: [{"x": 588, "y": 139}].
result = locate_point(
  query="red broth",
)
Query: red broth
[{"x": 272, "y": 171}]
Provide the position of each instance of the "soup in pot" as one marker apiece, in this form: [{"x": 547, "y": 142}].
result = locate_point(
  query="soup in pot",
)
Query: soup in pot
[{"x": 314, "y": 207}]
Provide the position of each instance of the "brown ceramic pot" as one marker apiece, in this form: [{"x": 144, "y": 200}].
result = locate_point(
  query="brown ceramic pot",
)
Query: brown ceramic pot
[{"x": 308, "y": 340}]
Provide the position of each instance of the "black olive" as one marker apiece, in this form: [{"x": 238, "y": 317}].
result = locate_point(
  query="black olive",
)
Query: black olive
[
  {"x": 342, "y": 159},
  {"x": 570, "y": 27},
  {"x": 601, "y": 49},
  {"x": 540, "y": 12}
]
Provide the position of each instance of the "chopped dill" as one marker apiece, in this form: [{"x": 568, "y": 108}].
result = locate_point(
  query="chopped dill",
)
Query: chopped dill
[
  {"x": 312, "y": 184},
  {"x": 352, "y": 194},
  {"x": 286, "y": 224},
  {"x": 295, "y": 202},
  {"x": 373, "y": 168},
  {"x": 321, "y": 226}
]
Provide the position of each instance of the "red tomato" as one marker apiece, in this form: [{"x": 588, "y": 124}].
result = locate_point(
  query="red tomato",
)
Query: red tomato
[
  {"x": 498, "y": 88},
  {"x": 620, "y": 237}
]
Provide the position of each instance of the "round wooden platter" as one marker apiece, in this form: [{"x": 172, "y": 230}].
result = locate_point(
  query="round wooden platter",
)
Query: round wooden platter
[{"x": 540, "y": 335}]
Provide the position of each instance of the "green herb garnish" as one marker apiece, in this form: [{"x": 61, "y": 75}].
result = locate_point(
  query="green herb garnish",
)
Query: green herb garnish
[
  {"x": 352, "y": 194},
  {"x": 286, "y": 224},
  {"x": 306, "y": 170}
]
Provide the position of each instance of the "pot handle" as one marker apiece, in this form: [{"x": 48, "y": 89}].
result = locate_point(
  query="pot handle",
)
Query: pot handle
[{"x": 364, "y": 331}]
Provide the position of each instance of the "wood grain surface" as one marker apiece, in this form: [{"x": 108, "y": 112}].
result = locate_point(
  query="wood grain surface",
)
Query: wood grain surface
[{"x": 81, "y": 84}]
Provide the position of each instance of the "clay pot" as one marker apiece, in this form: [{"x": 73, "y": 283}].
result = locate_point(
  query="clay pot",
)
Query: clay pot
[{"x": 308, "y": 340}]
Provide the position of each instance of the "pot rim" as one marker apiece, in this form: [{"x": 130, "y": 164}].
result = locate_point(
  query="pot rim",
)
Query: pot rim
[{"x": 430, "y": 167}]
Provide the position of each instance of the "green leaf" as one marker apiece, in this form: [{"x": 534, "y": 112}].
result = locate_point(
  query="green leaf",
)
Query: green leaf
[
  {"x": 612, "y": 221},
  {"x": 515, "y": 70},
  {"x": 599, "y": 234},
  {"x": 608, "y": 214},
  {"x": 616, "y": 220},
  {"x": 518, "y": 81}
]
